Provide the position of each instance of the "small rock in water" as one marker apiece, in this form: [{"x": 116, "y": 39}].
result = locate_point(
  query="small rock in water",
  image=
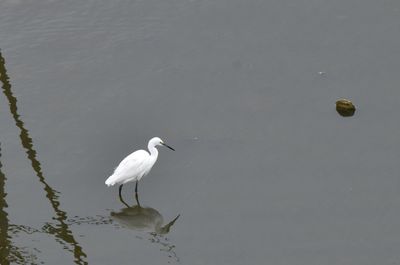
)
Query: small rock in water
[{"x": 345, "y": 107}]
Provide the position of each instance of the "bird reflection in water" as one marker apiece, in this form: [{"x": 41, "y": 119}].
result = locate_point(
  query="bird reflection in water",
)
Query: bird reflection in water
[
  {"x": 147, "y": 219},
  {"x": 144, "y": 219}
]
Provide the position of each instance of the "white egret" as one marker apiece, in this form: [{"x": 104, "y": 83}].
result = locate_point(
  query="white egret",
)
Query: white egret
[{"x": 135, "y": 166}]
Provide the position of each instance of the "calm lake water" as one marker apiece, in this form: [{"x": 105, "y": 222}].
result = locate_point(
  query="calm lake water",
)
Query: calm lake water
[{"x": 265, "y": 170}]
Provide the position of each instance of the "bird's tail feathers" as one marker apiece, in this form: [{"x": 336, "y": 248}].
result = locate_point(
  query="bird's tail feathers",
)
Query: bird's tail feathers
[{"x": 110, "y": 181}]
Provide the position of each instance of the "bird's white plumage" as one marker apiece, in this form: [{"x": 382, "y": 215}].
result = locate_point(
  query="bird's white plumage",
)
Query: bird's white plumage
[
  {"x": 132, "y": 168},
  {"x": 136, "y": 165}
]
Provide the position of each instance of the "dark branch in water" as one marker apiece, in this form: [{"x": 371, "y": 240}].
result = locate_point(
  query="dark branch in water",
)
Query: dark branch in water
[
  {"x": 61, "y": 231},
  {"x": 8, "y": 252},
  {"x": 5, "y": 243}
]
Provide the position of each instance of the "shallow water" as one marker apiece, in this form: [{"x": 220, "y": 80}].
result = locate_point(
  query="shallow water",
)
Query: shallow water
[{"x": 265, "y": 172}]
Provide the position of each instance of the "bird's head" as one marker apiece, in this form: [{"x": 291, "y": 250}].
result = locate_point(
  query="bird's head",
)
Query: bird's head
[{"x": 157, "y": 141}]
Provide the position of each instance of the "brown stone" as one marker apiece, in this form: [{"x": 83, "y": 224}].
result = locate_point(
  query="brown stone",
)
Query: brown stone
[{"x": 345, "y": 107}]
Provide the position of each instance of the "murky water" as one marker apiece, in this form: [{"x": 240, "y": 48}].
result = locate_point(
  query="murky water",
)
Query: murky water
[{"x": 265, "y": 172}]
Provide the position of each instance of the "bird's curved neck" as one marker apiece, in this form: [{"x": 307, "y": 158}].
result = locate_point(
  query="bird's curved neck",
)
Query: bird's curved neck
[{"x": 153, "y": 150}]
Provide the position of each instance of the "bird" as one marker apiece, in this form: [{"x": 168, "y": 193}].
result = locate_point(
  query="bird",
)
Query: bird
[{"x": 135, "y": 166}]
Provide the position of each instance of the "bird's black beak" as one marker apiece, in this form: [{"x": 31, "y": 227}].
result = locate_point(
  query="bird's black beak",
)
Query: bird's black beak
[{"x": 168, "y": 146}]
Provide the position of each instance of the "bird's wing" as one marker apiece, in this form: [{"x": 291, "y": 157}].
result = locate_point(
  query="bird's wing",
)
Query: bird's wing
[
  {"x": 130, "y": 166},
  {"x": 131, "y": 162}
]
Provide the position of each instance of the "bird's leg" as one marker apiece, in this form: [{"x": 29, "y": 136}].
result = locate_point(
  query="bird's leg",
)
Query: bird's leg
[
  {"x": 120, "y": 196},
  {"x": 136, "y": 194},
  {"x": 120, "y": 189},
  {"x": 137, "y": 199}
]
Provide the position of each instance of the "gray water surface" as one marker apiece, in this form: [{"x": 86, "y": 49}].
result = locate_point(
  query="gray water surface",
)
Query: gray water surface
[{"x": 265, "y": 170}]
